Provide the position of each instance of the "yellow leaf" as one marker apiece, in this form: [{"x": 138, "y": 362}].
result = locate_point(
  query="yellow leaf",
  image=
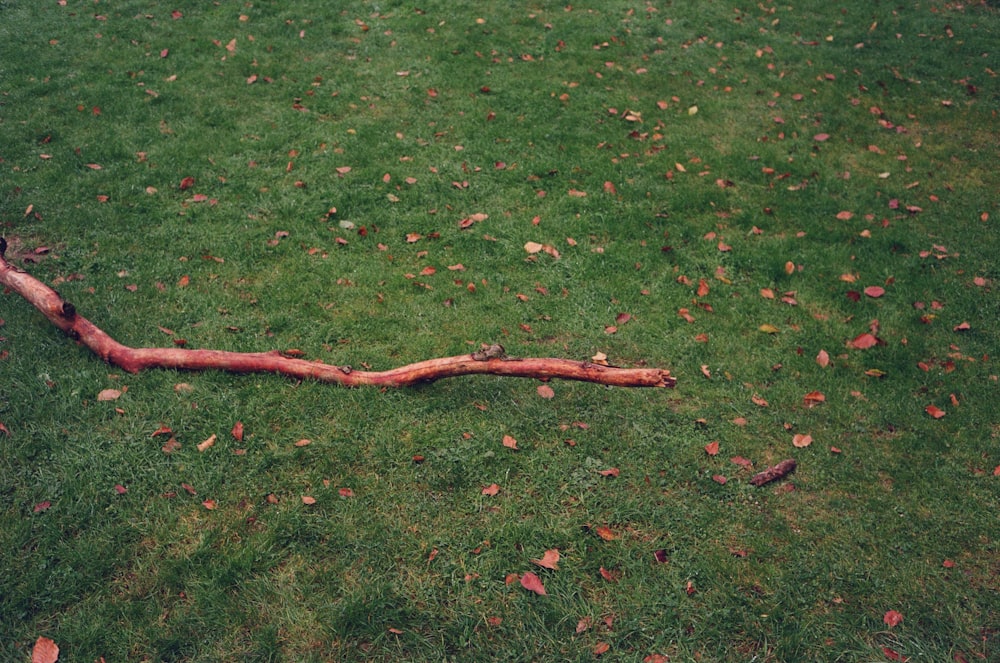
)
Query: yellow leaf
[{"x": 769, "y": 329}]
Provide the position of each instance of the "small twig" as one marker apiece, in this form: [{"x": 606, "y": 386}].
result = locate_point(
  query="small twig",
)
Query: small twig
[{"x": 492, "y": 361}]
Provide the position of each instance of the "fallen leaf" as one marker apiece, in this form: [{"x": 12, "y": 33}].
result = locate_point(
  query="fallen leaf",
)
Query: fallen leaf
[
  {"x": 109, "y": 395},
  {"x": 237, "y": 431},
  {"x": 532, "y": 247},
  {"x": 706, "y": 372},
  {"x": 606, "y": 533},
  {"x": 874, "y": 291},
  {"x": 491, "y": 490},
  {"x": 308, "y": 499},
  {"x": 186, "y": 183},
  {"x": 712, "y": 448},
  {"x": 170, "y": 446},
  {"x": 893, "y": 618},
  {"x": 813, "y": 398},
  {"x": 660, "y": 555},
  {"x": 601, "y": 648},
  {"x": 768, "y": 329},
  {"x": 823, "y": 359},
  {"x": 610, "y": 472},
  {"x": 758, "y": 401},
  {"x": 545, "y": 391},
  {"x": 41, "y": 506},
  {"x": 934, "y": 411},
  {"x": 894, "y": 655},
  {"x": 303, "y": 443},
  {"x": 202, "y": 446},
  {"x": 799, "y": 440},
  {"x": 963, "y": 326},
  {"x": 863, "y": 341},
  {"x": 533, "y": 583},
  {"x": 550, "y": 560},
  {"x": 509, "y": 442},
  {"x": 209, "y": 504},
  {"x": 345, "y": 492},
  {"x": 44, "y": 651}
]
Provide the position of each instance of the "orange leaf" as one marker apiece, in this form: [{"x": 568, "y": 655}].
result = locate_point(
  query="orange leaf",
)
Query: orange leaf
[
  {"x": 550, "y": 560},
  {"x": 44, "y": 651},
  {"x": 237, "y": 431},
  {"x": 702, "y": 287},
  {"x": 209, "y": 504},
  {"x": 184, "y": 281},
  {"x": 801, "y": 441},
  {"x": 845, "y": 215},
  {"x": 303, "y": 443},
  {"x": 307, "y": 499},
  {"x": 611, "y": 472},
  {"x": 767, "y": 293},
  {"x": 934, "y": 411},
  {"x": 606, "y": 533},
  {"x": 757, "y": 400},
  {"x": 491, "y": 490},
  {"x": 823, "y": 359},
  {"x": 601, "y": 648},
  {"x": 533, "y": 583},
  {"x": 712, "y": 448},
  {"x": 813, "y": 398},
  {"x": 509, "y": 442},
  {"x": 863, "y": 341},
  {"x": 706, "y": 372},
  {"x": 893, "y": 618},
  {"x": 874, "y": 291},
  {"x": 207, "y": 443},
  {"x": 545, "y": 391}
]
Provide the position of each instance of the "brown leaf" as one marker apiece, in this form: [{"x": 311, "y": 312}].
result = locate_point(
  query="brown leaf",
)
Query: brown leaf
[
  {"x": 893, "y": 618},
  {"x": 209, "y": 504},
  {"x": 606, "y": 533},
  {"x": 863, "y": 341},
  {"x": 509, "y": 442},
  {"x": 601, "y": 648},
  {"x": 186, "y": 183},
  {"x": 202, "y": 446},
  {"x": 533, "y": 583},
  {"x": 44, "y": 651},
  {"x": 237, "y": 431},
  {"x": 874, "y": 291},
  {"x": 799, "y": 440},
  {"x": 545, "y": 391},
  {"x": 712, "y": 448},
  {"x": 109, "y": 395},
  {"x": 823, "y": 359},
  {"x": 170, "y": 446},
  {"x": 813, "y": 398},
  {"x": 308, "y": 499},
  {"x": 934, "y": 411},
  {"x": 550, "y": 560}
]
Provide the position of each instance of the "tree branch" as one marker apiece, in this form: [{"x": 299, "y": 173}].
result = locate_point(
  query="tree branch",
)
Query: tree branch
[{"x": 492, "y": 361}]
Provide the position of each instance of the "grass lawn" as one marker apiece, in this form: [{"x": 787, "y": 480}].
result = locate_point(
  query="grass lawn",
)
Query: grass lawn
[{"x": 792, "y": 206}]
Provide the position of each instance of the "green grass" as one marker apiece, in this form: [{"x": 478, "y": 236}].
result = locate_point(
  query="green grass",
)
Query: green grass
[{"x": 705, "y": 120}]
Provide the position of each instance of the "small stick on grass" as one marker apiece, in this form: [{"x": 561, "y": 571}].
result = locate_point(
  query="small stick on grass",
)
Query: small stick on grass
[
  {"x": 492, "y": 361},
  {"x": 774, "y": 472}
]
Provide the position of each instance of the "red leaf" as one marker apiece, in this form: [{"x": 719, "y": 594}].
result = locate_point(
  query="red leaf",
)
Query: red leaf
[
  {"x": 934, "y": 411},
  {"x": 823, "y": 359},
  {"x": 44, "y": 651},
  {"x": 894, "y": 655},
  {"x": 187, "y": 183},
  {"x": 237, "y": 431},
  {"x": 712, "y": 448},
  {"x": 813, "y": 398},
  {"x": 719, "y": 479},
  {"x": 963, "y": 326},
  {"x": 345, "y": 493},
  {"x": 874, "y": 291},
  {"x": 509, "y": 442},
  {"x": 550, "y": 560},
  {"x": 120, "y": 489},
  {"x": 863, "y": 341},
  {"x": 819, "y": 138},
  {"x": 612, "y": 472},
  {"x": 893, "y": 618},
  {"x": 491, "y": 490},
  {"x": 742, "y": 462},
  {"x": 533, "y": 583},
  {"x": 601, "y": 648},
  {"x": 42, "y": 506},
  {"x": 702, "y": 287}
]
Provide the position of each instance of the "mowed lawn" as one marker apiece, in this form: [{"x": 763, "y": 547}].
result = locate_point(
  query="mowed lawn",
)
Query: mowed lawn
[{"x": 791, "y": 207}]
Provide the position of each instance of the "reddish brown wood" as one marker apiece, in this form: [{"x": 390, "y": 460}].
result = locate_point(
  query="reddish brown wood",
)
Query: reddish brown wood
[
  {"x": 774, "y": 472},
  {"x": 64, "y": 316}
]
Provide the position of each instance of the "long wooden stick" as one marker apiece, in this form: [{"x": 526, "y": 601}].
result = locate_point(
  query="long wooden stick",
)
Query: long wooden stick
[{"x": 492, "y": 361}]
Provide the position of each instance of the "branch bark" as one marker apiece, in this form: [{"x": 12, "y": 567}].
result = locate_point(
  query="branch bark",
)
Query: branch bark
[{"x": 493, "y": 361}]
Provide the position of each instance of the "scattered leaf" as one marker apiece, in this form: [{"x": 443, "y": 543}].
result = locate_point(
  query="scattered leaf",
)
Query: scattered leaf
[
  {"x": 550, "y": 560},
  {"x": 533, "y": 583},
  {"x": 202, "y": 446},
  {"x": 712, "y": 448},
  {"x": 209, "y": 504},
  {"x": 799, "y": 440},
  {"x": 41, "y": 507},
  {"x": 823, "y": 359},
  {"x": 605, "y": 533},
  {"x": 874, "y": 291},
  {"x": 109, "y": 395},
  {"x": 44, "y": 651},
  {"x": 601, "y": 648},
  {"x": 491, "y": 490},
  {"x": 768, "y": 329},
  {"x": 509, "y": 442},
  {"x": 863, "y": 341},
  {"x": 813, "y": 398},
  {"x": 237, "y": 431},
  {"x": 934, "y": 411},
  {"x": 308, "y": 500},
  {"x": 892, "y": 618},
  {"x": 303, "y": 443},
  {"x": 545, "y": 391}
]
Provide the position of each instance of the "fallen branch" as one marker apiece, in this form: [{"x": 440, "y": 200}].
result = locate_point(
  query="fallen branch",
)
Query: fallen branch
[
  {"x": 774, "y": 472},
  {"x": 491, "y": 361}
]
